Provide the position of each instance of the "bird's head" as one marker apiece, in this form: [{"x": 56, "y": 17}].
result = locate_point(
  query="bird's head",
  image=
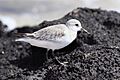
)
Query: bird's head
[{"x": 75, "y": 25}]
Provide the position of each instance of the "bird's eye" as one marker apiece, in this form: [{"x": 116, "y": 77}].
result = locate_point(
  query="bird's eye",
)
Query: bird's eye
[{"x": 76, "y": 25}]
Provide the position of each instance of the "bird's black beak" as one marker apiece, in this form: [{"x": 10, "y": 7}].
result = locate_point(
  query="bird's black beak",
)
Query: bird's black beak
[{"x": 85, "y": 30}]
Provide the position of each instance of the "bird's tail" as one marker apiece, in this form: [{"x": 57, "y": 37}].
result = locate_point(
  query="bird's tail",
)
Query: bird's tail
[
  {"x": 24, "y": 34},
  {"x": 29, "y": 34},
  {"x": 25, "y": 37},
  {"x": 21, "y": 39}
]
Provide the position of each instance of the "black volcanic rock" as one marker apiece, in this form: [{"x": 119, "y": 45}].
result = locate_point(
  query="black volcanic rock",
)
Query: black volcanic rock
[{"x": 91, "y": 57}]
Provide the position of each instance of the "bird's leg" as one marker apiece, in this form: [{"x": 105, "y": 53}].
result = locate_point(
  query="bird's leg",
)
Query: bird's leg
[
  {"x": 47, "y": 54},
  {"x": 57, "y": 59}
]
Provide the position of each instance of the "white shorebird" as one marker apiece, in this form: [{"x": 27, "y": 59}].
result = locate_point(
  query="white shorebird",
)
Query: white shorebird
[{"x": 54, "y": 37}]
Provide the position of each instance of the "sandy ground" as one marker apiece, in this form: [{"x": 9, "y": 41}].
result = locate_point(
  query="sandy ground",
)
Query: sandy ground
[{"x": 91, "y": 57}]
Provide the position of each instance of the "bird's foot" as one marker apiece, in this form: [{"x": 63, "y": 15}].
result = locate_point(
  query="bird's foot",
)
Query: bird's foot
[
  {"x": 61, "y": 63},
  {"x": 64, "y": 63}
]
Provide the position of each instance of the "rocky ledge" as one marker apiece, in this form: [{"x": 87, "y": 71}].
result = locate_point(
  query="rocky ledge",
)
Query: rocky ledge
[{"x": 91, "y": 57}]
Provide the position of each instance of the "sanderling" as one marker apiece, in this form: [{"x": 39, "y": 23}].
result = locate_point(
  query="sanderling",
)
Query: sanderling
[{"x": 54, "y": 37}]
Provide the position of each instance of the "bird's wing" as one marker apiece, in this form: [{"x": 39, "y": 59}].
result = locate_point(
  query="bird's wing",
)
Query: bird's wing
[{"x": 54, "y": 33}]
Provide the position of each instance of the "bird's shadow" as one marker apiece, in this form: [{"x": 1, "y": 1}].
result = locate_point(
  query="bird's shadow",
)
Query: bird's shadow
[
  {"x": 33, "y": 61},
  {"x": 37, "y": 58}
]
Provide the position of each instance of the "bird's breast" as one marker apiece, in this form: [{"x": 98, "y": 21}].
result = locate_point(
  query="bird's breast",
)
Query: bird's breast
[{"x": 70, "y": 36}]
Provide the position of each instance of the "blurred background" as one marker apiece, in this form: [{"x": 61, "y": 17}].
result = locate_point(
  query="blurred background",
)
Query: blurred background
[{"x": 32, "y": 12}]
